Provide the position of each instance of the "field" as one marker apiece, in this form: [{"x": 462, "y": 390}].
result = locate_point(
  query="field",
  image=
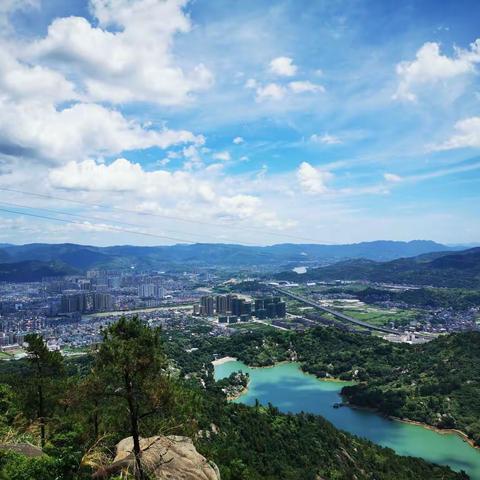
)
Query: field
[{"x": 355, "y": 308}]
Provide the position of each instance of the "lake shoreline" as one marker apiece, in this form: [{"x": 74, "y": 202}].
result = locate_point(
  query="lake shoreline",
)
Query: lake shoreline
[
  {"x": 243, "y": 391},
  {"x": 442, "y": 431},
  {"x": 223, "y": 360}
]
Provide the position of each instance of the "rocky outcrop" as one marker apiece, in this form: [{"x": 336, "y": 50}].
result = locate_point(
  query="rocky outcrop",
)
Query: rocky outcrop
[
  {"x": 165, "y": 458},
  {"x": 26, "y": 449}
]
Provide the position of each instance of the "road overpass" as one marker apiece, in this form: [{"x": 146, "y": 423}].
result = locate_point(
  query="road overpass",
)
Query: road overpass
[{"x": 336, "y": 314}]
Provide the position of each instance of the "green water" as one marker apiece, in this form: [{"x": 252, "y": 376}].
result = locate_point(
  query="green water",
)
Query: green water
[{"x": 291, "y": 390}]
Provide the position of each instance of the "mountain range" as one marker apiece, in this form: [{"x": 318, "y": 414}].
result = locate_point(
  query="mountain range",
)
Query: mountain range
[
  {"x": 204, "y": 254},
  {"x": 438, "y": 269},
  {"x": 387, "y": 260}
]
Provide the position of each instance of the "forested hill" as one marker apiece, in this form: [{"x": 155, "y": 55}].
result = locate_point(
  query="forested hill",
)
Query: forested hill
[
  {"x": 33, "y": 271},
  {"x": 446, "y": 269},
  {"x": 215, "y": 255},
  {"x": 78, "y": 409},
  {"x": 437, "y": 383}
]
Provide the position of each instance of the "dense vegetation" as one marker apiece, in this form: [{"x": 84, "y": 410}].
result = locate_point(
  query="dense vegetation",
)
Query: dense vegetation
[
  {"x": 82, "y": 407},
  {"x": 456, "y": 270},
  {"x": 437, "y": 383},
  {"x": 260, "y": 443},
  {"x": 33, "y": 271},
  {"x": 455, "y": 298}
]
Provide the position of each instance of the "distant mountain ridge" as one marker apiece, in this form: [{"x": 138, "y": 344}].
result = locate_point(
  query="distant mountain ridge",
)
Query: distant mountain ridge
[
  {"x": 33, "y": 271},
  {"x": 84, "y": 257},
  {"x": 438, "y": 269}
]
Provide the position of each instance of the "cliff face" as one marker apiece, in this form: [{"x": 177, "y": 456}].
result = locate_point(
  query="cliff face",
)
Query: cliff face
[{"x": 166, "y": 458}]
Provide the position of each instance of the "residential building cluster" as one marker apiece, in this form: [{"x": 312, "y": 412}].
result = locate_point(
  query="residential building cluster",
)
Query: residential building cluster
[
  {"x": 70, "y": 303},
  {"x": 232, "y": 308}
]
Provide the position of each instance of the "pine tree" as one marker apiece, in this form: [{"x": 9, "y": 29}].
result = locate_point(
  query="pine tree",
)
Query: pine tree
[
  {"x": 131, "y": 364},
  {"x": 46, "y": 366}
]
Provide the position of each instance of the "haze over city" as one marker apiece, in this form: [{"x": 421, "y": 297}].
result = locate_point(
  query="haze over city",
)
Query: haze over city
[{"x": 239, "y": 122}]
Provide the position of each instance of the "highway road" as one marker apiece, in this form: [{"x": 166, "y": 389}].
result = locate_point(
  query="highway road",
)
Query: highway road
[{"x": 336, "y": 314}]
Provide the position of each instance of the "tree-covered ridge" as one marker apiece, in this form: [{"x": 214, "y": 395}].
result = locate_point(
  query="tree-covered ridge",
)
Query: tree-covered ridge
[
  {"x": 437, "y": 383},
  {"x": 455, "y": 270},
  {"x": 455, "y": 298},
  {"x": 84, "y": 257},
  {"x": 260, "y": 443},
  {"x": 129, "y": 386},
  {"x": 33, "y": 270}
]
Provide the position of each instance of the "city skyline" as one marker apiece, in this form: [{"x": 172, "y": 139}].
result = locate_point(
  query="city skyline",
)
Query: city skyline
[{"x": 156, "y": 122}]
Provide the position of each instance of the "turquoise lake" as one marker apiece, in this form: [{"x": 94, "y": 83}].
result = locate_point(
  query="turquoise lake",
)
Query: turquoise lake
[{"x": 291, "y": 390}]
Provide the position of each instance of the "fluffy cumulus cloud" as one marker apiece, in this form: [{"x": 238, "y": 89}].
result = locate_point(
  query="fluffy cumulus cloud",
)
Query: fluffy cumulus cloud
[
  {"x": 431, "y": 66},
  {"x": 123, "y": 175},
  {"x": 127, "y": 56},
  {"x": 238, "y": 140},
  {"x": 78, "y": 131},
  {"x": 48, "y": 112},
  {"x": 313, "y": 180},
  {"x": 20, "y": 81},
  {"x": 467, "y": 135},
  {"x": 162, "y": 191},
  {"x": 283, "y": 66}
]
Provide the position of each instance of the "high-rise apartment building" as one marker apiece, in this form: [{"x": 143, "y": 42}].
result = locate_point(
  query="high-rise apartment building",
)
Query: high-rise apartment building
[
  {"x": 270, "y": 307},
  {"x": 208, "y": 305},
  {"x": 77, "y": 302},
  {"x": 102, "y": 302},
  {"x": 221, "y": 304}
]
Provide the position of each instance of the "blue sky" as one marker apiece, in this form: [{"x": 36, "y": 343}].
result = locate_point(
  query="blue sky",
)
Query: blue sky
[{"x": 239, "y": 121}]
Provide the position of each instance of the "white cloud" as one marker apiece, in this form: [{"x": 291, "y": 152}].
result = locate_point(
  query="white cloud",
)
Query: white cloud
[
  {"x": 305, "y": 86},
  {"x": 468, "y": 135},
  {"x": 35, "y": 123},
  {"x": 132, "y": 63},
  {"x": 194, "y": 160},
  {"x": 20, "y": 81},
  {"x": 313, "y": 180},
  {"x": 238, "y": 140},
  {"x": 120, "y": 175},
  {"x": 283, "y": 66},
  {"x": 162, "y": 191},
  {"x": 392, "y": 177},
  {"x": 326, "y": 139},
  {"x": 223, "y": 156},
  {"x": 276, "y": 91},
  {"x": 271, "y": 91},
  {"x": 431, "y": 66},
  {"x": 79, "y": 131}
]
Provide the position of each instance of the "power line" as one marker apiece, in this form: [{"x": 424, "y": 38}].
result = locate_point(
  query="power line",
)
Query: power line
[
  {"x": 77, "y": 215},
  {"x": 104, "y": 227},
  {"x": 169, "y": 217}
]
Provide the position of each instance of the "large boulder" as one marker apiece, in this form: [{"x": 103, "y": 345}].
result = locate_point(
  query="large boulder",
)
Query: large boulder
[
  {"x": 26, "y": 449},
  {"x": 166, "y": 458}
]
